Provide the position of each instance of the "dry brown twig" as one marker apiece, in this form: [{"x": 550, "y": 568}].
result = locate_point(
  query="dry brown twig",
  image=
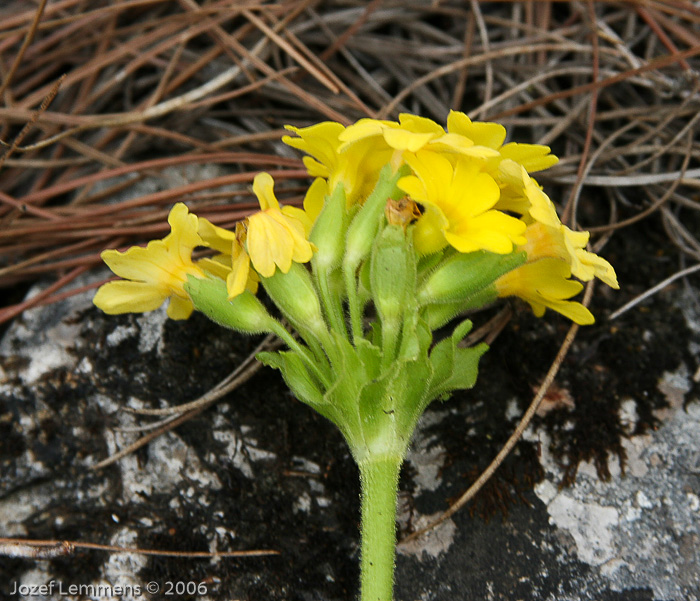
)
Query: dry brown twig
[{"x": 48, "y": 549}]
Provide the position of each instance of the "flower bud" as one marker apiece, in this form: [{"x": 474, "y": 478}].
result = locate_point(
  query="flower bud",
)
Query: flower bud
[
  {"x": 363, "y": 228},
  {"x": 295, "y": 295},
  {"x": 392, "y": 272},
  {"x": 328, "y": 233},
  {"x": 440, "y": 314}
]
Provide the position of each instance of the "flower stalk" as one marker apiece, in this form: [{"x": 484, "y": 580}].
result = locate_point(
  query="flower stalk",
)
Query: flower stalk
[{"x": 379, "y": 478}]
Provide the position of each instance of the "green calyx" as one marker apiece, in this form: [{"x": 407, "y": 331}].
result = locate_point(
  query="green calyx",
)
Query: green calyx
[
  {"x": 460, "y": 277},
  {"x": 244, "y": 313},
  {"x": 296, "y": 297}
]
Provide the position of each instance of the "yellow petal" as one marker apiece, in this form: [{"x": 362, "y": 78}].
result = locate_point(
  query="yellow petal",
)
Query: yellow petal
[
  {"x": 428, "y": 236},
  {"x": 493, "y": 231},
  {"x": 400, "y": 139},
  {"x": 418, "y": 124},
  {"x": 218, "y": 266},
  {"x": 138, "y": 263},
  {"x": 300, "y": 246},
  {"x": 269, "y": 244},
  {"x": 590, "y": 265},
  {"x": 490, "y": 135},
  {"x": 237, "y": 278},
  {"x": 179, "y": 308},
  {"x": 315, "y": 168},
  {"x": 299, "y": 215},
  {"x": 473, "y": 192},
  {"x": 263, "y": 188},
  {"x": 216, "y": 237},
  {"x": 119, "y": 297},
  {"x": 541, "y": 207},
  {"x": 534, "y": 157},
  {"x": 315, "y": 199},
  {"x": 182, "y": 239},
  {"x": 364, "y": 128}
]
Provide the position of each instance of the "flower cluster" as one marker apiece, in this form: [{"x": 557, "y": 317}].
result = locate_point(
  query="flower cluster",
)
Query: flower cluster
[
  {"x": 475, "y": 193},
  {"x": 406, "y": 226},
  {"x": 470, "y": 191}
]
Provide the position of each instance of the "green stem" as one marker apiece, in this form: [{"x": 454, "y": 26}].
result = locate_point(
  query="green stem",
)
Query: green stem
[
  {"x": 353, "y": 304},
  {"x": 379, "y": 478},
  {"x": 391, "y": 328},
  {"x": 282, "y": 333},
  {"x": 331, "y": 303}
]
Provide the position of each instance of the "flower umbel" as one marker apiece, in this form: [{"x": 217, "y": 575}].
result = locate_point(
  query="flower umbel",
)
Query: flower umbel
[
  {"x": 155, "y": 273},
  {"x": 406, "y": 226}
]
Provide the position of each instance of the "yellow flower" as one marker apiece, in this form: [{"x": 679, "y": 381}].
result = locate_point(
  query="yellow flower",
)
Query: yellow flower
[
  {"x": 563, "y": 243},
  {"x": 275, "y": 237},
  {"x": 269, "y": 239},
  {"x": 458, "y": 202},
  {"x": 534, "y": 157},
  {"x": 545, "y": 284},
  {"x": 321, "y": 142},
  {"x": 411, "y": 134},
  {"x": 155, "y": 273},
  {"x": 356, "y": 167},
  {"x": 233, "y": 264}
]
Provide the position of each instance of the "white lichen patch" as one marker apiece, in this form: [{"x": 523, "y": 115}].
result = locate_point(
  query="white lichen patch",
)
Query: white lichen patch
[
  {"x": 170, "y": 463},
  {"x": 589, "y": 524},
  {"x": 241, "y": 451},
  {"x": 432, "y": 543},
  {"x": 121, "y": 569},
  {"x": 150, "y": 329},
  {"x": 302, "y": 504},
  {"x": 120, "y": 334},
  {"x": 425, "y": 455},
  {"x": 44, "y": 336},
  {"x": 635, "y": 528},
  {"x": 16, "y": 508}
]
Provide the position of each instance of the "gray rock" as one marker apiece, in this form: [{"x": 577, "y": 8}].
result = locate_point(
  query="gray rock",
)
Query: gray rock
[{"x": 261, "y": 471}]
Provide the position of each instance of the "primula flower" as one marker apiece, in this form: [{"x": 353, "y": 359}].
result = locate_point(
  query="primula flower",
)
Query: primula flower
[
  {"x": 154, "y": 273},
  {"x": 520, "y": 193},
  {"x": 275, "y": 236},
  {"x": 534, "y": 157},
  {"x": 458, "y": 203},
  {"x": 545, "y": 284},
  {"x": 357, "y": 167},
  {"x": 411, "y": 134},
  {"x": 270, "y": 239},
  {"x": 563, "y": 243},
  {"x": 546, "y": 235}
]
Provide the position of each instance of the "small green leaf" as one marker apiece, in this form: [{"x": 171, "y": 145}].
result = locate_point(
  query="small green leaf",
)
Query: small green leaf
[
  {"x": 455, "y": 368},
  {"x": 300, "y": 381}
]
